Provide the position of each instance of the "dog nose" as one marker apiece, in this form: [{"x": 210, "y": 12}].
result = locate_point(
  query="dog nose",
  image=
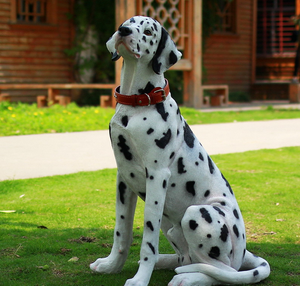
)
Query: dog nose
[{"x": 124, "y": 31}]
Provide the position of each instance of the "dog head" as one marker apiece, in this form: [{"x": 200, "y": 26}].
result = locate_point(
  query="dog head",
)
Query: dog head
[{"x": 144, "y": 39}]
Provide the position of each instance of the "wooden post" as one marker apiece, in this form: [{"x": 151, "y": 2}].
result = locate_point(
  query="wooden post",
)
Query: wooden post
[
  {"x": 193, "y": 94},
  {"x": 294, "y": 93},
  {"x": 125, "y": 9}
]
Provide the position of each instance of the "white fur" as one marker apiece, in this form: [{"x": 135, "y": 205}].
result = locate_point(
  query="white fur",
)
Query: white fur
[{"x": 160, "y": 160}]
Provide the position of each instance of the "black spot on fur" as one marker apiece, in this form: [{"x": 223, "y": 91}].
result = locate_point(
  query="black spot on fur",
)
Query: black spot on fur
[
  {"x": 147, "y": 51},
  {"x": 151, "y": 247},
  {"x": 236, "y": 231},
  {"x": 155, "y": 27},
  {"x": 150, "y": 130},
  {"x": 172, "y": 58},
  {"x": 146, "y": 259},
  {"x": 125, "y": 120},
  {"x": 190, "y": 187},
  {"x": 149, "y": 224},
  {"x": 210, "y": 165},
  {"x": 207, "y": 193},
  {"x": 144, "y": 39},
  {"x": 109, "y": 130},
  {"x": 224, "y": 233},
  {"x": 255, "y": 273},
  {"x": 172, "y": 155},
  {"x": 188, "y": 136},
  {"x": 174, "y": 244},
  {"x": 264, "y": 264},
  {"x": 205, "y": 214},
  {"x": 160, "y": 107},
  {"x": 227, "y": 184},
  {"x": 118, "y": 234},
  {"x": 148, "y": 88},
  {"x": 193, "y": 224},
  {"x": 122, "y": 189},
  {"x": 156, "y": 65},
  {"x": 164, "y": 184},
  {"x": 164, "y": 141},
  {"x": 214, "y": 252},
  {"x": 235, "y": 212},
  {"x": 142, "y": 195},
  {"x": 180, "y": 166},
  {"x": 142, "y": 22},
  {"x": 201, "y": 157},
  {"x": 132, "y": 20},
  {"x": 124, "y": 148},
  {"x": 219, "y": 211},
  {"x": 122, "y": 217},
  {"x": 147, "y": 174},
  {"x": 209, "y": 236},
  {"x": 200, "y": 245}
]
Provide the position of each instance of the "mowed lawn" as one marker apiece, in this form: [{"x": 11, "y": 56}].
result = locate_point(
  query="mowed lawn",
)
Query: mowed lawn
[
  {"x": 52, "y": 228},
  {"x": 24, "y": 119}
]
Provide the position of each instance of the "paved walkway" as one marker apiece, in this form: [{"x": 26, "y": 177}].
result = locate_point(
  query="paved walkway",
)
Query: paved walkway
[{"x": 33, "y": 156}]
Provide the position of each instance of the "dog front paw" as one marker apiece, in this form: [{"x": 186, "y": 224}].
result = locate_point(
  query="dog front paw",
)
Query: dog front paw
[
  {"x": 106, "y": 265},
  {"x": 135, "y": 282}
]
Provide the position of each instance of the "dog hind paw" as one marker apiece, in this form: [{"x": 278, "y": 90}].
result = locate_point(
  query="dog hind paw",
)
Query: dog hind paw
[{"x": 192, "y": 279}]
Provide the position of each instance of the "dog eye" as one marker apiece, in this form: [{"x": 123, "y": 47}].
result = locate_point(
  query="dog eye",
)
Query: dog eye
[{"x": 148, "y": 33}]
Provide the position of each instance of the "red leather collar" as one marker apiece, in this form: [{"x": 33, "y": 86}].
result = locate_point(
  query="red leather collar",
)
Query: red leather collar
[{"x": 155, "y": 96}]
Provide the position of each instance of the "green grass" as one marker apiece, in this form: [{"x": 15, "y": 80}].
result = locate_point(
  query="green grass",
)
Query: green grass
[
  {"x": 266, "y": 184},
  {"x": 23, "y": 119}
]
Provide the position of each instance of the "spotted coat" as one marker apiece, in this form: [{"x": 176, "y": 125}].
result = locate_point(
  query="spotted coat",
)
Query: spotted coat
[{"x": 161, "y": 161}]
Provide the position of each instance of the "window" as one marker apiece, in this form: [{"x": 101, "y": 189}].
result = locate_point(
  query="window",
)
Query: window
[
  {"x": 33, "y": 11},
  {"x": 274, "y": 27},
  {"x": 226, "y": 16}
]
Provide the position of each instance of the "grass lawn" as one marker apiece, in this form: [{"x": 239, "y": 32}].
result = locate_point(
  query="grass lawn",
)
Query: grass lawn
[
  {"x": 61, "y": 217},
  {"x": 23, "y": 119}
]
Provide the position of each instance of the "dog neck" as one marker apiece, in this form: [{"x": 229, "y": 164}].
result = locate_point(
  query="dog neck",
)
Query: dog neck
[{"x": 135, "y": 78}]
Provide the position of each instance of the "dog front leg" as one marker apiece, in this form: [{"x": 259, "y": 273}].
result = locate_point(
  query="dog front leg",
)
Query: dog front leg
[
  {"x": 125, "y": 208},
  {"x": 156, "y": 188}
]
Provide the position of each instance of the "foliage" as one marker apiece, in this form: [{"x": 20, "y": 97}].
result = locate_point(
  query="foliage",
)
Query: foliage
[
  {"x": 21, "y": 119},
  {"x": 57, "y": 218},
  {"x": 100, "y": 15}
]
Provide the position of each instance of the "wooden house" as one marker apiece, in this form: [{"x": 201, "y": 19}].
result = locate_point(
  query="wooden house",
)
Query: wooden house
[
  {"x": 250, "y": 50},
  {"x": 33, "y": 36}
]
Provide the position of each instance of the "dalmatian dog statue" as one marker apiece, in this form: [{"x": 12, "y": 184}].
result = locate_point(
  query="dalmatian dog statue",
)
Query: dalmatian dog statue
[{"x": 161, "y": 161}]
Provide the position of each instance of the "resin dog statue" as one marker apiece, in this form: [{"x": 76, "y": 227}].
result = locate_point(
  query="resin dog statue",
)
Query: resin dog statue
[{"x": 161, "y": 161}]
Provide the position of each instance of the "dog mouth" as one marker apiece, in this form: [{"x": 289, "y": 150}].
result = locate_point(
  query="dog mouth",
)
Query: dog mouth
[{"x": 120, "y": 42}]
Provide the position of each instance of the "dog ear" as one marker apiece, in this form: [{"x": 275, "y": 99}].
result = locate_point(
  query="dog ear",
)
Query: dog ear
[
  {"x": 110, "y": 44},
  {"x": 166, "y": 54}
]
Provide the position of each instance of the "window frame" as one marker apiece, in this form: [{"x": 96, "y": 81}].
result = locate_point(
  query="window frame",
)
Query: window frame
[
  {"x": 235, "y": 21},
  {"x": 51, "y": 16}
]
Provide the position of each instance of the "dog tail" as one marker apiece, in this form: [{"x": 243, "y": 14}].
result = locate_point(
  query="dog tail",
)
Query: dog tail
[{"x": 253, "y": 270}]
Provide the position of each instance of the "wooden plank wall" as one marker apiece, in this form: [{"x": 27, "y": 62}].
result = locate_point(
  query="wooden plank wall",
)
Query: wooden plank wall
[
  {"x": 34, "y": 55},
  {"x": 228, "y": 58}
]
